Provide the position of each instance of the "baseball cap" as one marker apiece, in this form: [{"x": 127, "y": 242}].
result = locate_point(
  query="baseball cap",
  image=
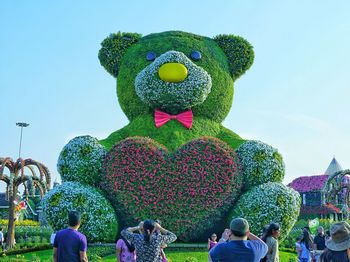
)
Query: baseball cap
[{"x": 239, "y": 225}]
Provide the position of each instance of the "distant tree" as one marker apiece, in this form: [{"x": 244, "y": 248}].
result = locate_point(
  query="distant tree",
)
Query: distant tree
[{"x": 17, "y": 177}]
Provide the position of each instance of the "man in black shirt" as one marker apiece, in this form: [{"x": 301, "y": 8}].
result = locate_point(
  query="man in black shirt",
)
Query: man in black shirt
[
  {"x": 320, "y": 239},
  {"x": 319, "y": 242}
]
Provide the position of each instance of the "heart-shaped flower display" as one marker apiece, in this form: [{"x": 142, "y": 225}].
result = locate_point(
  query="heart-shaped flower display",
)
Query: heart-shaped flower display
[{"x": 188, "y": 190}]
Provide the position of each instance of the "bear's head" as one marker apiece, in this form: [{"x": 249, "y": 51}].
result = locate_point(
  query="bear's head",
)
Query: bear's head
[{"x": 175, "y": 71}]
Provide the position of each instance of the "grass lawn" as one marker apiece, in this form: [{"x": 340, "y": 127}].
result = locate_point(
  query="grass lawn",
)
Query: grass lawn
[{"x": 174, "y": 256}]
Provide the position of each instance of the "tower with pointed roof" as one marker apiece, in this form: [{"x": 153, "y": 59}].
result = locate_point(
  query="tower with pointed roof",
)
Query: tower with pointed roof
[{"x": 333, "y": 167}]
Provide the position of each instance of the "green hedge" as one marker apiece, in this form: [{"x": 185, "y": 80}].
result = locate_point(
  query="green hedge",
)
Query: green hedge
[{"x": 21, "y": 249}]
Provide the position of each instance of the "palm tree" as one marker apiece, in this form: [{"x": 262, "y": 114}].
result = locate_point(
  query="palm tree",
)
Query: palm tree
[{"x": 17, "y": 177}]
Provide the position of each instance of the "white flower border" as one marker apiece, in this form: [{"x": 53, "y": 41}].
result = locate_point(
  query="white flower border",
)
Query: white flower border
[
  {"x": 270, "y": 202},
  {"x": 84, "y": 169},
  {"x": 269, "y": 170}
]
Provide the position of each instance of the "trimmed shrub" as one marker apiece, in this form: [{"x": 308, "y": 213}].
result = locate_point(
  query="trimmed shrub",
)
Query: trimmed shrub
[
  {"x": 24, "y": 249},
  {"x": 98, "y": 221},
  {"x": 35, "y": 234},
  {"x": 188, "y": 190},
  {"x": 81, "y": 160},
  {"x": 267, "y": 203},
  {"x": 26, "y": 222},
  {"x": 261, "y": 163}
]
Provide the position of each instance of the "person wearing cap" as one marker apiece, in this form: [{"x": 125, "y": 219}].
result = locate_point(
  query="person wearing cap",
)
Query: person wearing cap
[
  {"x": 237, "y": 247},
  {"x": 338, "y": 246}
]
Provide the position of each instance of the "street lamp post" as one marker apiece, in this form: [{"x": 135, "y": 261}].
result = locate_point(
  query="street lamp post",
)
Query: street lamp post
[{"x": 21, "y": 124}]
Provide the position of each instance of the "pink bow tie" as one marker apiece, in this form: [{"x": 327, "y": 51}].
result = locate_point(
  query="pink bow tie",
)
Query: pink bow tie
[{"x": 161, "y": 118}]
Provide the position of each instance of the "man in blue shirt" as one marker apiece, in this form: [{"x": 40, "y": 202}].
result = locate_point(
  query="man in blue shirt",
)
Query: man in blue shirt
[
  {"x": 69, "y": 244},
  {"x": 234, "y": 245}
]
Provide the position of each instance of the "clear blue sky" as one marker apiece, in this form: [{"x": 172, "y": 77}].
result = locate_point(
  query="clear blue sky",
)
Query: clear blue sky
[{"x": 295, "y": 96}]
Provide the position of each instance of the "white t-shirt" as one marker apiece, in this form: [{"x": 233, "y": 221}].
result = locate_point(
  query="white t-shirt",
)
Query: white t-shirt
[{"x": 52, "y": 238}]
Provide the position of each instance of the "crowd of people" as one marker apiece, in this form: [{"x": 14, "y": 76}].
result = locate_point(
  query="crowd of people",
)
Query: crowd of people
[
  {"x": 329, "y": 246},
  {"x": 146, "y": 242},
  {"x": 142, "y": 243}
]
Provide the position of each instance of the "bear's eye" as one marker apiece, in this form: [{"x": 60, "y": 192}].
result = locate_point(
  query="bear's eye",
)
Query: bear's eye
[
  {"x": 151, "y": 56},
  {"x": 196, "y": 55}
]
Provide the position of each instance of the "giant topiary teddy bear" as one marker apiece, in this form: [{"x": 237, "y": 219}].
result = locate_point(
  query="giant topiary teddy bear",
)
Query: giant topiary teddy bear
[{"x": 175, "y": 161}]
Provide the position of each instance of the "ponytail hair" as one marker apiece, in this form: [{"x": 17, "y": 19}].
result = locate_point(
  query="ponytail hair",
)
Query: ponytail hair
[
  {"x": 272, "y": 227},
  {"x": 148, "y": 228}
]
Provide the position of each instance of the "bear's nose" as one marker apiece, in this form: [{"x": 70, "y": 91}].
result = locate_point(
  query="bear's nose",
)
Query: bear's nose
[{"x": 173, "y": 72}]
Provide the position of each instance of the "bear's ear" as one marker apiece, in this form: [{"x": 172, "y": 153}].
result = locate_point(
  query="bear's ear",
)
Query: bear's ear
[
  {"x": 113, "y": 49},
  {"x": 239, "y": 53}
]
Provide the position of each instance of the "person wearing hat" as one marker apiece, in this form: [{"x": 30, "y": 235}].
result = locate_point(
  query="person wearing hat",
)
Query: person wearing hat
[
  {"x": 240, "y": 244},
  {"x": 338, "y": 246}
]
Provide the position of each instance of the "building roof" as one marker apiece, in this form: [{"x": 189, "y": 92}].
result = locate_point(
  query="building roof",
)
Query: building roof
[
  {"x": 308, "y": 183},
  {"x": 3, "y": 201},
  {"x": 333, "y": 167},
  {"x": 315, "y": 183}
]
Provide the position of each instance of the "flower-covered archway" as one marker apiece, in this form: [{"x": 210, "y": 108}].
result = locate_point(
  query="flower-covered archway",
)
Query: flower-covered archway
[{"x": 337, "y": 191}]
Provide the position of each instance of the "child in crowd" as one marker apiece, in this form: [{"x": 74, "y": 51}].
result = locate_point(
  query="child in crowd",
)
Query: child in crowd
[
  {"x": 125, "y": 251},
  {"x": 211, "y": 243}
]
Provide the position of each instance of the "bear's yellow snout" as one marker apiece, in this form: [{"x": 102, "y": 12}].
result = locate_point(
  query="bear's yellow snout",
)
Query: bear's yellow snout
[{"x": 173, "y": 72}]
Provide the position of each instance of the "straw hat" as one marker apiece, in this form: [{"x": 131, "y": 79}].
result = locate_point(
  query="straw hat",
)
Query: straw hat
[{"x": 340, "y": 237}]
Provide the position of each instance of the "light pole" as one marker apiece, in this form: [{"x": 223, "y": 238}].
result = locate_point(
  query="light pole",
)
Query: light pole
[{"x": 21, "y": 124}]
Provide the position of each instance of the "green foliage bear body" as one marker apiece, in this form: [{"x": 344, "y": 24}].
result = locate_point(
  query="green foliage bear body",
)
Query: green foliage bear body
[{"x": 178, "y": 72}]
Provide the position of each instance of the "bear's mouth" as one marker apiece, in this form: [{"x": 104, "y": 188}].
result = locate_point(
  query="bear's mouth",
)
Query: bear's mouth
[{"x": 173, "y": 83}]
